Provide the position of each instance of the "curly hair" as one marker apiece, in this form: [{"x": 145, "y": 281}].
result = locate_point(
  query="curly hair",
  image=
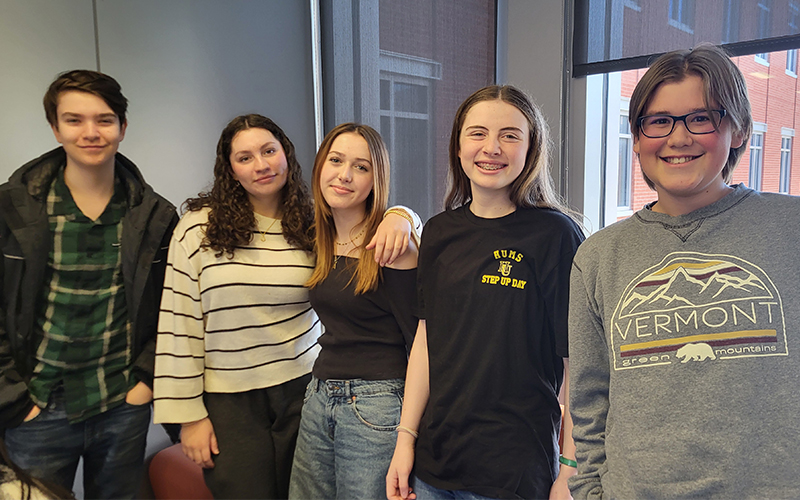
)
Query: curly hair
[{"x": 231, "y": 219}]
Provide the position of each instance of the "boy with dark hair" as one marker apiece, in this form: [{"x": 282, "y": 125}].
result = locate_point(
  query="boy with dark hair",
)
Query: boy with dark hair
[
  {"x": 84, "y": 242},
  {"x": 684, "y": 318}
]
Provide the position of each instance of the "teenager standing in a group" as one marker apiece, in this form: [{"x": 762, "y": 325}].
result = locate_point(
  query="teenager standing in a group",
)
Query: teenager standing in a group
[{"x": 488, "y": 359}]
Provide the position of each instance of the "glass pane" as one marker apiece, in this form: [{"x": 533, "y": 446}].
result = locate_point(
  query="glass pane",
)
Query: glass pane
[
  {"x": 385, "y": 97},
  {"x": 620, "y": 30},
  {"x": 386, "y": 132},
  {"x": 409, "y": 169},
  {"x": 624, "y": 187},
  {"x": 410, "y": 97},
  {"x": 624, "y": 125}
]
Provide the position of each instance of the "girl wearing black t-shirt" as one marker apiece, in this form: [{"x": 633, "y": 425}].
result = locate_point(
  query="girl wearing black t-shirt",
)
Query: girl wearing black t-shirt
[
  {"x": 353, "y": 403},
  {"x": 481, "y": 413}
]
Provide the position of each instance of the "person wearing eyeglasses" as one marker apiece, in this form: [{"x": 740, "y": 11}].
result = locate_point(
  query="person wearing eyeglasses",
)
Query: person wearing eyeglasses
[{"x": 684, "y": 320}]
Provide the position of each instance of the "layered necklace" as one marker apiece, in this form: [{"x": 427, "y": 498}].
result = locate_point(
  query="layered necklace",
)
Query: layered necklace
[{"x": 352, "y": 241}]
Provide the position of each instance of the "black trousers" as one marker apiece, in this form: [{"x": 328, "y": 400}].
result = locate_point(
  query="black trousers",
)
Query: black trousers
[{"x": 256, "y": 432}]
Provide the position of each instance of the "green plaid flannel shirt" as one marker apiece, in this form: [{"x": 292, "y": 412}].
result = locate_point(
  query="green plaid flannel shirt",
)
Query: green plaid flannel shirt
[{"x": 85, "y": 336}]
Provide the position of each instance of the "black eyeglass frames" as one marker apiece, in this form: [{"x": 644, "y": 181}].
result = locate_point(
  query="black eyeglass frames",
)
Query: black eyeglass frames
[{"x": 697, "y": 122}]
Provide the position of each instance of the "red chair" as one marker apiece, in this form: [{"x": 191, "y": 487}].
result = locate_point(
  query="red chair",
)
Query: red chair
[{"x": 174, "y": 477}]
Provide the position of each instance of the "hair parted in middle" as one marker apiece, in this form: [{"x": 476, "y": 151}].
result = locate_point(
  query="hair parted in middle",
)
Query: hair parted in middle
[
  {"x": 723, "y": 83},
  {"x": 231, "y": 220},
  {"x": 534, "y": 185},
  {"x": 367, "y": 274}
]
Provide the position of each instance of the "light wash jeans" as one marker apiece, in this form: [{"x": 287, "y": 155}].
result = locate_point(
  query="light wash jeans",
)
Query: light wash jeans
[
  {"x": 347, "y": 437},
  {"x": 425, "y": 491},
  {"x": 112, "y": 446}
]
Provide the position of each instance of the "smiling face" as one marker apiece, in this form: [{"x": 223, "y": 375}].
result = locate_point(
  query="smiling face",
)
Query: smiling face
[
  {"x": 347, "y": 175},
  {"x": 685, "y": 168},
  {"x": 493, "y": 144},
  {"x": 88, "y": 129},
  {"x": 259, "y": 164}
]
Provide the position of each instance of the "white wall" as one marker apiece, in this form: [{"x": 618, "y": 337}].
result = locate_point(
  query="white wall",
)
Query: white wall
[
  {"x": 186, "y": 66},
  {"x": 38, "y": 40}
]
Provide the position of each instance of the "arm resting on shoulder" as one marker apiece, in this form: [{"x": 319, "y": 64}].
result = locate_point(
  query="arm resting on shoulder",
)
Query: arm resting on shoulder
[{"x": 394, "y": 234}]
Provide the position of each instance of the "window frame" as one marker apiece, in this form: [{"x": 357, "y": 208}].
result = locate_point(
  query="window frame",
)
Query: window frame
[
  {"x": 791, "y": 62},
  {"x": 756, "y": 162},
  {"x": 626, "y": 171},
  {"x": 785, "y": 178},
  {"x": 681, "y": 14}
]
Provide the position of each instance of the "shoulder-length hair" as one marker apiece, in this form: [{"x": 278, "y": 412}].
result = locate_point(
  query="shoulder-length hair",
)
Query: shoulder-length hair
[
  {"x": 723, "y": 86},
  {"x": 367, "y": 274},
  {"x": 534, "y": 185},
  {"x": 231, "y": 219}
]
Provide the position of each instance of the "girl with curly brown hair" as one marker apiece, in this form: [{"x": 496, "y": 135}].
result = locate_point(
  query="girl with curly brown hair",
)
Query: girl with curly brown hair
[{"x": 237, "y": 336}]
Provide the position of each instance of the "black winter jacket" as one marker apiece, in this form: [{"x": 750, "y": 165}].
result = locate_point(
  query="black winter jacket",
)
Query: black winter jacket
[{"x": 26, "y": 241}]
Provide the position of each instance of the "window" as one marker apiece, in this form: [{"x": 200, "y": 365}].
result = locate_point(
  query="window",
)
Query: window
[
  {"x": 786, "y": 164},
  {"x": 763, "y": 28},
  {"x": 633, "y": 4},
  {"x": 681, "y": 14},
  {"x": 794, "y": 17},
  {"x": 730, "y": 25},
  {"x": 403, "y": 71},
  {"x": 791, "y": 62},
  {"x": 756, "y": 159},
  {"x": 405, "y": 109},
  {"x": 625, "y": 162},
  {"x": 764, "y": 18}
]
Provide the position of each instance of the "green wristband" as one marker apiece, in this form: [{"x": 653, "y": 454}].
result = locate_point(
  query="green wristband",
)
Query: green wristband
[{"x": 566, "y": 461}]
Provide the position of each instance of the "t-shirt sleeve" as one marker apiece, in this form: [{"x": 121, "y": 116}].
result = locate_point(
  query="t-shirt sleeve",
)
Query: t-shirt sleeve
[
  {"x": 589, "y": 385},
  {"x": 401, "y": 290},
  {"x": 423, "y": 267},
  {"x": 555, "y": 287}
]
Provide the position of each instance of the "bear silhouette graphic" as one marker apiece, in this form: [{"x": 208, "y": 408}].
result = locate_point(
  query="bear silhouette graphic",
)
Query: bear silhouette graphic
[{"x": 696, "y": 352}]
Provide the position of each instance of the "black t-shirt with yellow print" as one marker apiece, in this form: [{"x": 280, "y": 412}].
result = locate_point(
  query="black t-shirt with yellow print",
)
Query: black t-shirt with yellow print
[{"x": 494, "y": 293}]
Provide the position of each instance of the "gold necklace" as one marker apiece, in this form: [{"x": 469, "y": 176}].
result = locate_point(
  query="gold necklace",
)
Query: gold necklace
[
  {"x": 264, "y": 233},
  {"x": 352, "y": 240}
]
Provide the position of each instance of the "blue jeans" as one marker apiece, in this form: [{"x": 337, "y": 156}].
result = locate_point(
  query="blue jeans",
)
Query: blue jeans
[
  {"x": 425, "y": 491},
  {"x": 347, "y": 437},
  {"x": 112, "y": 446}
]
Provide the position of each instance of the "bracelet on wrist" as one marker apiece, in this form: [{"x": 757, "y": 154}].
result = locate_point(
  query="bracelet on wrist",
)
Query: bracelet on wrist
[
  {"x": 566, "y": 461},
  {"x": 401, "y": 213},
  {"x": 401, "y": 428}
]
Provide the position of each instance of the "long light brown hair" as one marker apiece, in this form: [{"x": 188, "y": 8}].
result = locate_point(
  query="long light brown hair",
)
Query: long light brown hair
[
  {"x": 534, "y": 185},
  {"x": 367, "y": 273}
]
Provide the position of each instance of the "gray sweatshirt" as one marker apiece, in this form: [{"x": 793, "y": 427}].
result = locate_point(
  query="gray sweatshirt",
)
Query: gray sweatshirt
[{"x": 685, "y": 353}]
